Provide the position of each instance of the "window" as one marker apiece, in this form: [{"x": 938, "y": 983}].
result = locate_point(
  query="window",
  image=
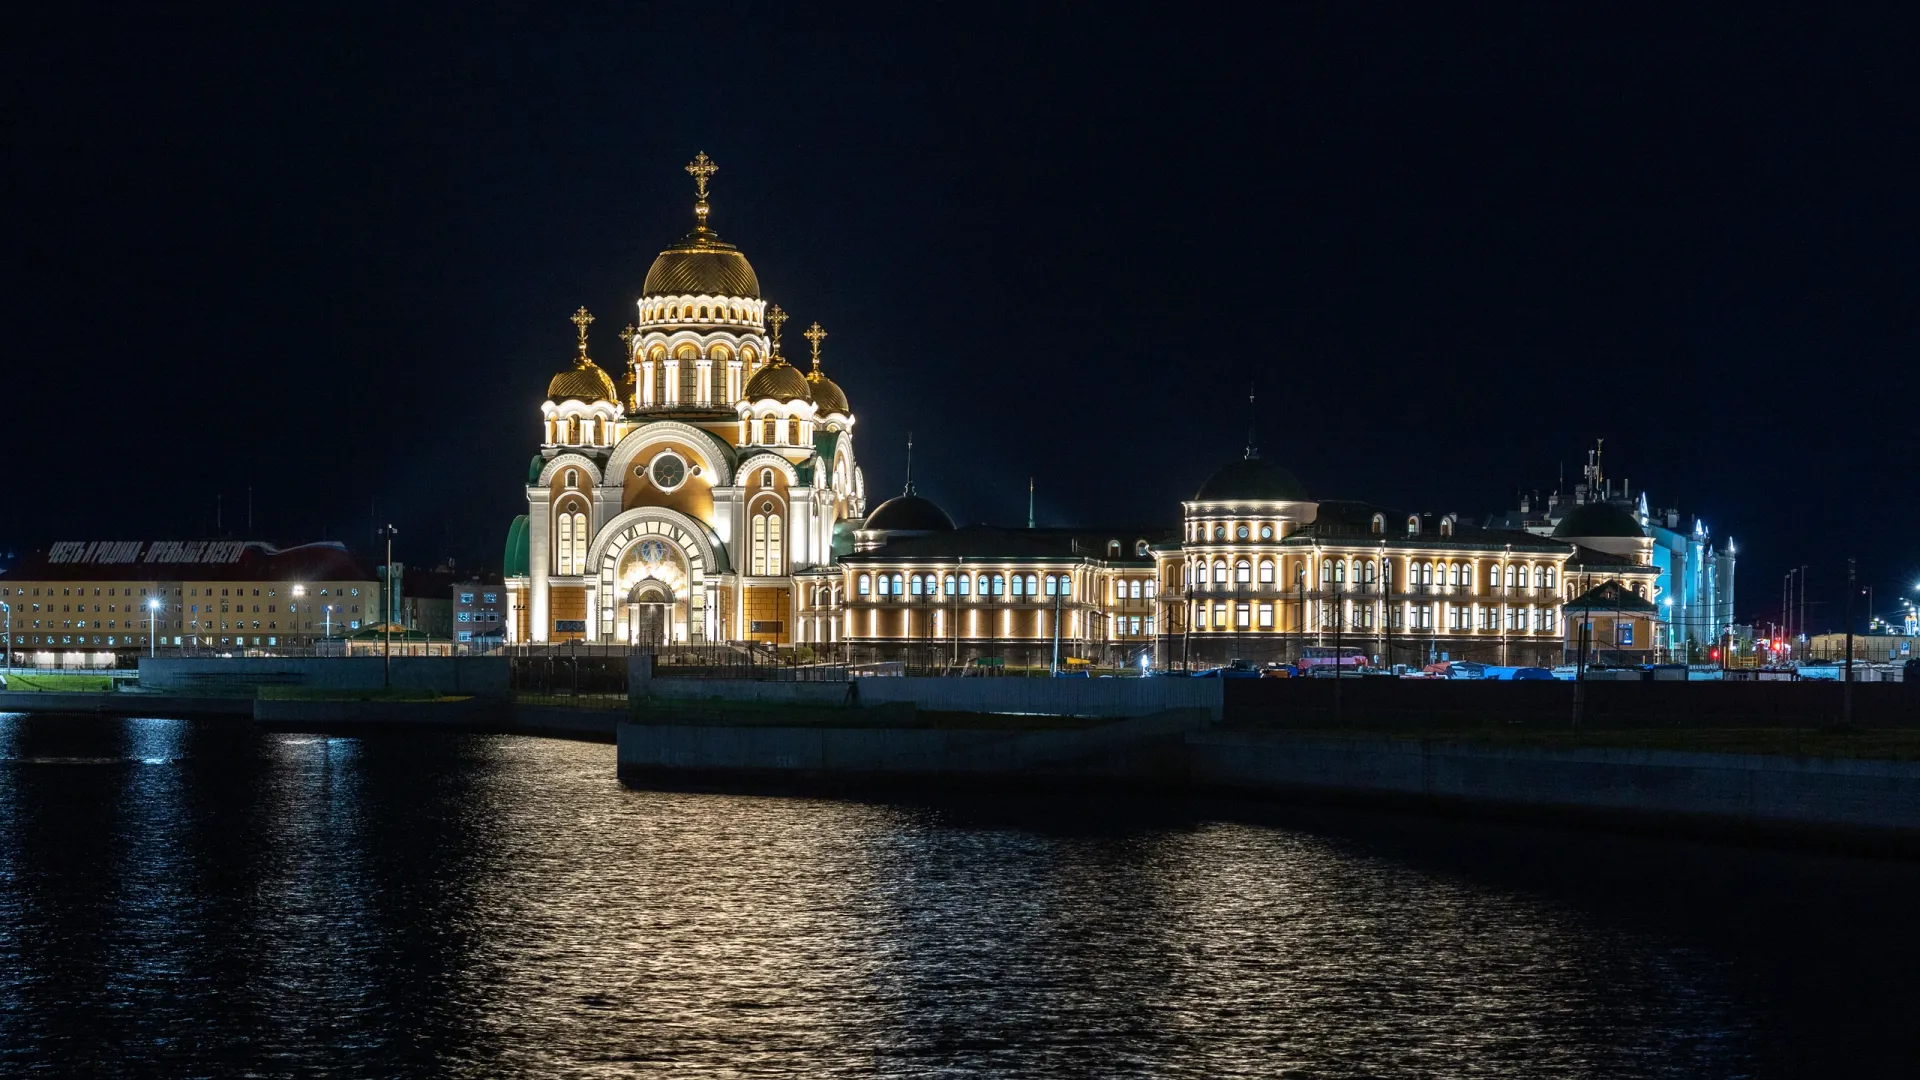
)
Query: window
[
  {"x": 1266, "y": 571},
  {"x": 1625, "y": 632},
  {"x": 570, "y": 543},
  {"x": 1220, "y": 571},
  {"x": 1033, "y": 585},
  {"x": 1413, "y": 525},
  {"x": 1243, "y": 572},
  {"x": 1139, "y": 549},
  {"x": 1242, "y": 615},
  {"x": 1426, "y": 573},
  {"x": 1340, "y": 572},
  {"x": 1510, "y": 577},
  {"x": 1240, "y": 533},
  {"x": 793, "y": 432},
  {"x": 766, "y": 478},
  {"x": 1266, "y": 532},
  {"x": 1539, "y": 577},
  {"x": 863, "y": 584},
  {"x": 1379, "y": 525},
  {"x": 913, "y": 585},
  {"x": 466, "y": 598},
  {"x": 1547, "y": 620},
  {"x": 965, "y": 583},
  {"x": 1150, "y": 587},
  {"x": 998, "y": 582},
  {"x": 1019, "y": 588},
  {"x": 766, "y": 432},
  {"x": 1266, "y": 616},
  {"x": 1552, "y": 575},
  {"x": 1366, "y": 569},
  {"x": 1219, "y": 532},
  {"x": 1138, "y": 586}
]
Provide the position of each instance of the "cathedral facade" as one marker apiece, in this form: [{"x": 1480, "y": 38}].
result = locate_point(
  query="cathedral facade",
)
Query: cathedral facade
[{"x": 687, "y": 500}]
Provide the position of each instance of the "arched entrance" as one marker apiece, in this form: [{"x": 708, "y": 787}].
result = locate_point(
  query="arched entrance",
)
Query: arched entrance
[{"x": 649, "y": 612}]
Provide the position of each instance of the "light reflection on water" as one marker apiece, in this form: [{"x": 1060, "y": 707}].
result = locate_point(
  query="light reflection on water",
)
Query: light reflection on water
[{"x": 426, "y": 903}]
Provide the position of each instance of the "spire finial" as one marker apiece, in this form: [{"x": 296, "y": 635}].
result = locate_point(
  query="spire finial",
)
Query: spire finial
[
  {"x": 909, "y": 489},
  {"x": 626, "y": 339},
  {"x": 815, "y": 335},
  {"x": 776, "y": 318},
  {"x": 1029, "y": 502},
  {"x": 1253, "y": 417},
  {"x": 581, "y": 319},
  {"x": 701, "y": 167}
]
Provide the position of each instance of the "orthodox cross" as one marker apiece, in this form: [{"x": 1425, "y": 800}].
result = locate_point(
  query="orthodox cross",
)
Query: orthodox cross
[
  {"x": 776, "y": 318},
  {"x": 626, "y": 339},
  {"x": 815, "y": 335},
  {"x": 701, "y": 167},
  {"x": 580, "y": 319}
]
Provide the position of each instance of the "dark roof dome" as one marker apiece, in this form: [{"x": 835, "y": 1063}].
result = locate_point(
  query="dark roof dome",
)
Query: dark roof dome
[
  {"x": 1598, "y": 519},
  {"x": 780, "y": 381},
  {"x": 908, "y": 513},
  {"x": 1251, "y": 480}
]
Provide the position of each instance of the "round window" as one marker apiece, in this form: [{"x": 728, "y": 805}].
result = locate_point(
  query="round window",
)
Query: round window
[
  {"x": 1266, "y": 532},
  {"x": 668, "y": 471},
  {"x": 1240, "y": 533},
  {"x": 1219, "y": 532}
]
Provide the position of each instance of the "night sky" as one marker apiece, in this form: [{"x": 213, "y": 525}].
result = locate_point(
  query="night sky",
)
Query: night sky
[{"x": 332, "y": 255}]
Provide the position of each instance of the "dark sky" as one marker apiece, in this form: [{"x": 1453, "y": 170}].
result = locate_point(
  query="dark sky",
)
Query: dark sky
[{"x": 332, "y": 256}]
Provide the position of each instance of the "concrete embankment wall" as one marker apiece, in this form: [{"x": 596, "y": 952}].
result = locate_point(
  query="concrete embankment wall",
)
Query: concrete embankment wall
[
  {"x": 483, "y": 675},
  {"x": 1040, "y": 697},
  {"x": 1407, "y": 705},
  {"x": 484, "y": 715},
  {"x": 1138, "y": 749},
  {"x": 126, "y": 704},
  {"x": 1746, "y": 789}
]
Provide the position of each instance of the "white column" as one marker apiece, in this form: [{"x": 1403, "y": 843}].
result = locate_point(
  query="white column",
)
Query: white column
[{"x": 538, "y": 556}]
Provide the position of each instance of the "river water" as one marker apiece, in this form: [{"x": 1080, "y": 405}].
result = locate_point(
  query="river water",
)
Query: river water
[{"x": 198, "y": 898}]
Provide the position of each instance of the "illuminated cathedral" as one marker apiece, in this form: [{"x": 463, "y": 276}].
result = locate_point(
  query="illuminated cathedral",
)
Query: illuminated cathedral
[{"x": 688, "y": 500}]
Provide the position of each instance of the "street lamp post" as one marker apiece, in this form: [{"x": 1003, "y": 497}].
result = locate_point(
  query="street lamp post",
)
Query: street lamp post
[
  {"x": 153, "y": 614},
  {"x": 9, "y": 610}
]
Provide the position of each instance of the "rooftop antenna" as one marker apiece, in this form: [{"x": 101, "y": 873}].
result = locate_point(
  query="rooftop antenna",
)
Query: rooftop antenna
[
  {"x": 1029, "y": 502},
  {"x": 1253, "y": 446},
  {"x": 909, "y": 490}
]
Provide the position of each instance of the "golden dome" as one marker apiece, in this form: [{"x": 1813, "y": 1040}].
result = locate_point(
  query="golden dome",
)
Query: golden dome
[
  {"x": 585, "y": 381},
  {"x": 828, "y": 395},
  {"x": 700, "y": 265},
  {"x": 780, "y": 381}
]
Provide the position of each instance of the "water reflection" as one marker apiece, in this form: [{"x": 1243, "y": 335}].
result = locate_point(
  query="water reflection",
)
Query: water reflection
[{"x": 217, "y": 900}]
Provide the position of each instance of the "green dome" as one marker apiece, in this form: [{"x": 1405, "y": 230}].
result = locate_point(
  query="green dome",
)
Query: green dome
[
  {"x": 1597, "y": 520},
  {"x": 1251, "y": 480},
  {"x": 534, "y": 468}
]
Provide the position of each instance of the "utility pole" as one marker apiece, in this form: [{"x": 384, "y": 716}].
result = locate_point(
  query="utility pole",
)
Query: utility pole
[
  {"x": 386, "y": 651},
  {"x": 1846, "y": 715}
]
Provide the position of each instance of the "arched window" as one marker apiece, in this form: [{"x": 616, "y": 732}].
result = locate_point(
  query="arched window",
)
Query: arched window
[
  {"x": 1539, "y": 577},
  {"x": 1326, "y": 571},
  {"x": 1138, "y": 587},
  {"x": 659, "y": 384},
  {"x": 766, "y": 478},
  {"x": 914, "y": 585},
  {"x": 570, "y": 543},
  {"x": 793, "y": 433},
  {"x": 1510, "y": 574},
  {"x": 950, "y": 584},
  {"x": 1446, "y": 525},
  {"x": 1413, "y": 525},
  {"x": 1113, "y": 549},
  {"x": 998, "y": 583},
  {"x": 1243, "y": 572},
  {"x": 767, "y": 432},
  {"x": 1426, "y": 573},
  {"x": 768, "y": 548},
  {"x": 863, "y": 585},
  {"x": 1340, "y": 572},
  {"x": 1367, "y": 570},
  {"x": 573, "y": 430},
  {"x": 1493, "y": 577},
  {"x": 1019, "y": 586},
  {"x": 1379, "y": 524},
  {"x": 717, "y": 380},
  {"x": 1220, "y": 571},
  {"x": 1552, "y": 575},
  {"x": 573, "y": 478},
  {"x": 1140, "y": 549},
  {"x": 1152, "y": 587},
  {"x": 1066, "y": 585},
  {"x": 1266, "y": 571}
]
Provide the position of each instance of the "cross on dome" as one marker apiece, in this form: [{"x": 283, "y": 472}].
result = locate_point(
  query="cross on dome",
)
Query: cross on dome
[
  {"x": 582, "y": 319},
  {"x": 701, "y": 167},
  {"x": 815, "y": 335},
  {"x": 776, "y": 318}
]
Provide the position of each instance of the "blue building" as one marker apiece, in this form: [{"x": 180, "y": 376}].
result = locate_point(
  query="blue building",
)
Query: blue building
[{"x": 1695, "y": 588}]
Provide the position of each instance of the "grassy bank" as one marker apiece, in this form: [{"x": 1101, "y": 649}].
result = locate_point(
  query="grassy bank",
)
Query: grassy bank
[{"x": 69, "y": 684}]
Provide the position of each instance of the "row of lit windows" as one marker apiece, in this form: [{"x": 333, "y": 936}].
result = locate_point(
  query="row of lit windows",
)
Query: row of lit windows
[
  {"x": 194, "y": 591},
  {"x": 1362, "y": 617},
  {"x": 701, "y": 312},
  {"x": 964, "y": 584},
  {"x": 1134, "y": 588},
  {"x": 1363, "y": 572},
  {"x": 130, "y": 639}
]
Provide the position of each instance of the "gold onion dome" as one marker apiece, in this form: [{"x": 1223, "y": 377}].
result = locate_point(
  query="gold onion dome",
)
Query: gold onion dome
[
  {"x": 827, "y": 395},
  {"x": 780, "y": 381},
  {"x": 585, "y": 380},
  {"x": 701, "y": 264}
]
